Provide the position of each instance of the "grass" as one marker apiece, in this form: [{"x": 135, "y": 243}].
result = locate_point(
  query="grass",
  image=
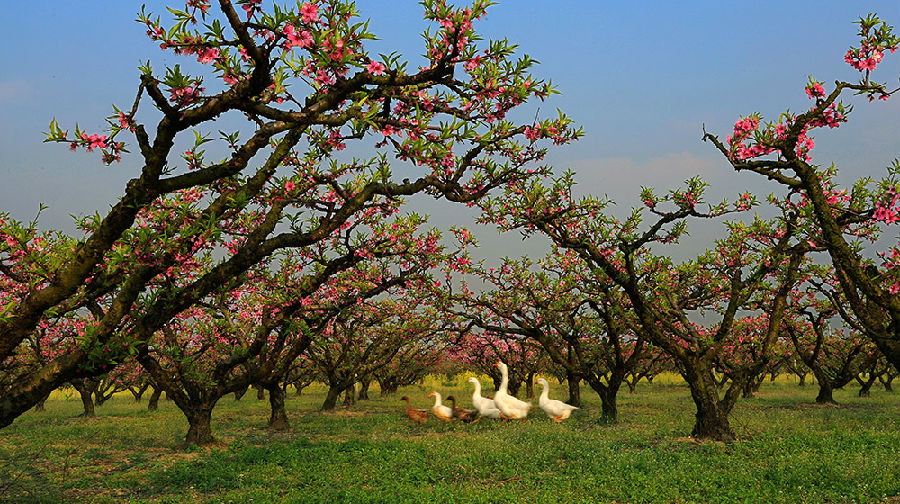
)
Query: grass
[{"x": 790, "y": 450}]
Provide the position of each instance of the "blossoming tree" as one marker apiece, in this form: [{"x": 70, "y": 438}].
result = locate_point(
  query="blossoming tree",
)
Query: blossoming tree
[{"x": 780, "y": 151}]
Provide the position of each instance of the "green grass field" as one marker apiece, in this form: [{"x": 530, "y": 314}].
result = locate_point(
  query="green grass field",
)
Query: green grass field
[{"x": 790, "y": 450}]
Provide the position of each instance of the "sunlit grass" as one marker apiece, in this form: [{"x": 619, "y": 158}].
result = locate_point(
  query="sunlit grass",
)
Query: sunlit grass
[{"x": 790, "y": 450}]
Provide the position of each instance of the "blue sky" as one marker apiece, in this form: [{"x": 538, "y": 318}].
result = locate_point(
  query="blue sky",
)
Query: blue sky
[{"x": 641, "y": 78}]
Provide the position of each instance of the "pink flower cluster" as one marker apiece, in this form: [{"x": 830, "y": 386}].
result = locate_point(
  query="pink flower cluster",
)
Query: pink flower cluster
[
  {"x": 309, "y": 12},
  {"x": 804, "y": 145},
  {"x": 743, "y": 130},
  {"x": 815, "y": 90},
  {"x": 687, "y": 199},
  {"x": 296, "y": 38},
  {"x": 891, "y": 263},
  {"x": 208, "y": 55},
  {"x": 866, "y": 57},
  {"x": 125, "y": 121},
  {"x": 252, "y": 7},
  {"x": 94, "y": 141},
  {"x": 375, "y": 67},
  {"x": 888, "y": 212},
  {"x": 185, "y": 95},
  {"x": 830, "y": 117},
  {"x": 337, "y": 48},
  {"x": 203, "y": 5},
  {"x": 742, "y": 147}
]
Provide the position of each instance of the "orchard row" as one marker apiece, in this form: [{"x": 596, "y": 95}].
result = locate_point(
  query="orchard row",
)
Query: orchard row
[{"x": 268, "y": 256}]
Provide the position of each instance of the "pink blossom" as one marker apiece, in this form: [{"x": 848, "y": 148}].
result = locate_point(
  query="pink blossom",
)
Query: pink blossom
[
  {"x": 203, "y": 5},
  {"x": 94, "y": 141},
  {"x": 125, "y": 121},
  {"x": 815, "y": 90},
  {"x": 208, "y": 55},
  {"x": 375, "y": 67},
  {"x": 310, "y": 12},
  {"x": 251, "y": 7},
  {"x": 296, "y": 38}
]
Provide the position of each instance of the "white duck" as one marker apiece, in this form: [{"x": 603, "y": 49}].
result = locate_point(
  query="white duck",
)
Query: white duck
[
  {"x": 442, "y": 412},
  {"x": 509, "y": 406},
  {"x": 485, "y": 406},
  {"x": 557, "y": 410}
]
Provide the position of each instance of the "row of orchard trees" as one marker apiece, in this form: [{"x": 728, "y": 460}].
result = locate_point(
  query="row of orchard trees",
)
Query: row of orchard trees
[
  {"x": 365, "y": 352},
  {"x": 212, "y": 275},
  {"x": 555, "y": 317},
  {"x": 219, "y": 266},
  {"x": 728, "y": 307}
]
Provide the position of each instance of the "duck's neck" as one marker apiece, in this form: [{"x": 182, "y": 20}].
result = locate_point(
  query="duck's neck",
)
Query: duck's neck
[
  {"x": 504, "y": 381},
  {"x": 437, "y": 399},
  {"x": 477, "y": 388},
  {"x": 545, "y": 394}
]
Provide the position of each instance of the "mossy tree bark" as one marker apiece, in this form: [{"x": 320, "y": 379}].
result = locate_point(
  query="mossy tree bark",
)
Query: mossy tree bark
[
  {"x": 86, "y": 389},
  {"x": 153, "y": 403},
  {"x": 199, "y": 425},
  {"x": 574, "y": 384},
  {"x": 278, "y": 419}
]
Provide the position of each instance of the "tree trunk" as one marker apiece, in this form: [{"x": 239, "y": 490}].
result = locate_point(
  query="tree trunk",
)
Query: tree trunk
[
  {"x": 751, "y": 386},
  {"x": 574, "y": 390},
  {"x": 889, "y": 343},
  {"x": 87, "y": 401},
  {"x": 607, "y": 393},
  {"x": 887, "y": 383},
  {"x": 331, "y": 398},
  {"x": 388, "y": 388},
  {"x": 238, "y": 394},
  {"x": 757, "y": 383},
  {"x": 825, "y": 391},
  {"x": 86, "y": 389},
  {"x": 608, "y": 407},
  {"x": 529, "y": 386},
  {"x": 712, "y": 424},
  {"x": 138, "y": 394},
  {"x": 350, "y": 395},
  {"x": 278, "y": 419},
  {"x": 802, "y": 380},
  {"x": 260, "y": 393},
  {"x": 153, "y": 403},
  {"x": 747, "y": 390},
  {"x": 363, "y": 394},
  {"x": 711, "y": 419},
  {"x": 199, "y": 426}
]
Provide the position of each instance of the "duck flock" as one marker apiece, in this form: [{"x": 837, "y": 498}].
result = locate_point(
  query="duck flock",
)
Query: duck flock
[{"x": 502, "y": 405}]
